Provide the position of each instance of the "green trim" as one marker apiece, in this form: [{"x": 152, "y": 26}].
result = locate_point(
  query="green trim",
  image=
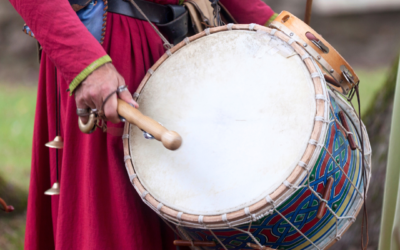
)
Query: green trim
[
  {"x": 87, "y": 71},
  {"x": 181, "y": 2},
  {"x": 271, "y": 19}
]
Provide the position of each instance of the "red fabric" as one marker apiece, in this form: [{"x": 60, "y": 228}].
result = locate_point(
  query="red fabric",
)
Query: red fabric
[
  {"x": 249, "y": 11},
  {"x": 98, "y": 208},
  {"x": 64, "y": 38}
]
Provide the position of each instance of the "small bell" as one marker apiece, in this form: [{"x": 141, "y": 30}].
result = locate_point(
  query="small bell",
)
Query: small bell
[
  {"x": 54, "y": 190},
  {"x": 56, "y": 143}
]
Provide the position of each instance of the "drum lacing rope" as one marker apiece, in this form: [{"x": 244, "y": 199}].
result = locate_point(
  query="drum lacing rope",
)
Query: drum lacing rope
[
  {"x": 288, "y": 184},
  {"x": 143, "y": 195},
  {"x": 179, "y": 217},
  {"x": 225, "y": 219},
  {"x": 305, "y": 56},
  {"x": 151, "y": 71},
  {"x": 168, "y": 52},
  {"x": 230, "y": 26},
  {"x": 159, "y": 206},
  {"x": 291, "y": 40},
  {"x": 132, "y": 176},
  {"x": 135, "y": 95},
  {"x": 125, "y": 136},
  {"x": 207, "y": 31},
  {"x": 321, "y": 119},
  {"x": 251, "y": 26},
  {"x": 219, "y": 241},
  {"x": 272, "y": 202},
  {"x": 315, "y": 75},
  {"x": 127, "y": 157},
  {"x": 320, "y": 97},
  {"x": 273, "y": 31},
  {"x": 186, "y": 40},
  {"x": 247, "y": 212}
]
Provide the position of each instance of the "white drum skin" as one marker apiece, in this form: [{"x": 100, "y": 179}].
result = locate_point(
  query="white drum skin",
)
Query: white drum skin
[{"x": 245, "y": 113}]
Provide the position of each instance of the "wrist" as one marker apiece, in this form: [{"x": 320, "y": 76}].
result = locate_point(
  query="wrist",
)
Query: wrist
[{"x": 87, "y": 71}]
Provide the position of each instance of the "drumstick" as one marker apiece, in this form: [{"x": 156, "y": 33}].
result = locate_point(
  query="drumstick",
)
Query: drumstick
[
  {"x": 307, "y": 18},
  {"x": 170, "y": 139}
]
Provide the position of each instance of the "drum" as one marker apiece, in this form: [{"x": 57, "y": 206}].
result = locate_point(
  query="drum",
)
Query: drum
[{"x": 271, "y": 155}]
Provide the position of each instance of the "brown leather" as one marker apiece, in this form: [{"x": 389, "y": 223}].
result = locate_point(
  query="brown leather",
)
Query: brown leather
[
  {"x": 5, "y": 207},
  {"x": 202, "y": 14}
]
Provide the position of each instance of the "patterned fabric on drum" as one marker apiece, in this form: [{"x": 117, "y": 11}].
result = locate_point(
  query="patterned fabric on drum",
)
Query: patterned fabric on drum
[{"x": 301, "y": 208}]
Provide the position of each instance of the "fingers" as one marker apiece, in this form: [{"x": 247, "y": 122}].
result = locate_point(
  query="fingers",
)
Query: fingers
[
  {"x": 110, "y": 109},
  {"x": 126, "y": 95},
  {"x": 81, "y": 103}
]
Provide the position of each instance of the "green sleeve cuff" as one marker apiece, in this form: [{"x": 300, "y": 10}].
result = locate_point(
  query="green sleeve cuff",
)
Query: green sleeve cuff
[
  {"x": 87, "y": 71},
  {"x": 181, "y": 2},
  {"x": 271, "y": 19}
]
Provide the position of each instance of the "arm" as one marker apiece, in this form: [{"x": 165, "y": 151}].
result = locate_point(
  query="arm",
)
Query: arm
[
  {"x": 250, "y": 11},
  {"x": 65, "y": 40},
  {"x": 75, "y": 52}
]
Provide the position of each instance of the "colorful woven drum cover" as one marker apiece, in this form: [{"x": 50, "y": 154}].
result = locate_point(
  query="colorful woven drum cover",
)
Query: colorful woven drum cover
[{"x": 301, "y": 209}]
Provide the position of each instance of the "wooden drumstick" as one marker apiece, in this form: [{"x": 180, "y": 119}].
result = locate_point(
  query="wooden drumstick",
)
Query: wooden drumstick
[
  {"x": 307, "y": 18},
  {"x": 170, "y": 139},
  {"x": 326, "y": 195},
  {"x": 6, "y": 207},
  {"x": 187, "y": 243}
]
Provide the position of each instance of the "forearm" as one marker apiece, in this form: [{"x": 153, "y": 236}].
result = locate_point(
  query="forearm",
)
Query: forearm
[{"x": 64, "y": 38}]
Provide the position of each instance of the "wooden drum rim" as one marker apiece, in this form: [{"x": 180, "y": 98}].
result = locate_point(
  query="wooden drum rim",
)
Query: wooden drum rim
[{"x": 283, "y": 191}]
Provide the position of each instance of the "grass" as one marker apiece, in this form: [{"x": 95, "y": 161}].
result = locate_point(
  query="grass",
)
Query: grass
[
  {"x": 370, "y": 83},
  {"x": 17, "y": 109}
]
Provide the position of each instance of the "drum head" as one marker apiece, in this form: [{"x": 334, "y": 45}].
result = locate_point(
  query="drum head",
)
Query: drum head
[{"x": 245, "y": 113}]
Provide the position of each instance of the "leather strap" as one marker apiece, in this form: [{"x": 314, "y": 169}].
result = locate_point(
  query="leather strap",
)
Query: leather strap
[
  {"x": 172, "y": 20},
  {"x": 157, "y": 13}
]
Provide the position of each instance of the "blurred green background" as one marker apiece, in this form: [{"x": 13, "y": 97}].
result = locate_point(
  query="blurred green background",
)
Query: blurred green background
[{"x": 368, "y": 40}]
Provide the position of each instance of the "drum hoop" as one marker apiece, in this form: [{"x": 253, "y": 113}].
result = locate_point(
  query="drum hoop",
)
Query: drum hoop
[{"x": 285, "y": 190}]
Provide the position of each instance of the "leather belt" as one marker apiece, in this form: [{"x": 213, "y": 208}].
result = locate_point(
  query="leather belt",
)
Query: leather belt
[{"x": 172, "y": 20}]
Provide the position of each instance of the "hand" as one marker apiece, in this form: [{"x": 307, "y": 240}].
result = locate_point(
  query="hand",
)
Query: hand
[{"x": 96, "y": 87}]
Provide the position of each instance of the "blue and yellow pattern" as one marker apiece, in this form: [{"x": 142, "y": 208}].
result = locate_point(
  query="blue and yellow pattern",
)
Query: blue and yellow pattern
[{"x": 301, "y": 208}]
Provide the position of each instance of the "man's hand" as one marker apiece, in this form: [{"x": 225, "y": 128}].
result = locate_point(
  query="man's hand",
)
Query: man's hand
[{"x": 96, "y": 87}]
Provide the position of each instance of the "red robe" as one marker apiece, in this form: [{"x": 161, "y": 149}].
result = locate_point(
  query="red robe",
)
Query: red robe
[{"x": 98, "y": 208}]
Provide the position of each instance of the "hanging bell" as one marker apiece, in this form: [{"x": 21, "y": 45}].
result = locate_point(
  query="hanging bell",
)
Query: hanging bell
[
  {"x": 54, "y": 190},
  {"x": 56, "y": 143}
]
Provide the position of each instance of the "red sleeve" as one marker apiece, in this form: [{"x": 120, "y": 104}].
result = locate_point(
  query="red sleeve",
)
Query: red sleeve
[
  {"x": 249, "y": 11},
  {"x": 62, "y": 35}
]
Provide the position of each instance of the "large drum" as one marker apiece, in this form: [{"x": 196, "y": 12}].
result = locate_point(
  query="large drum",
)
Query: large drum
[{"x": 271, "y": 155}]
